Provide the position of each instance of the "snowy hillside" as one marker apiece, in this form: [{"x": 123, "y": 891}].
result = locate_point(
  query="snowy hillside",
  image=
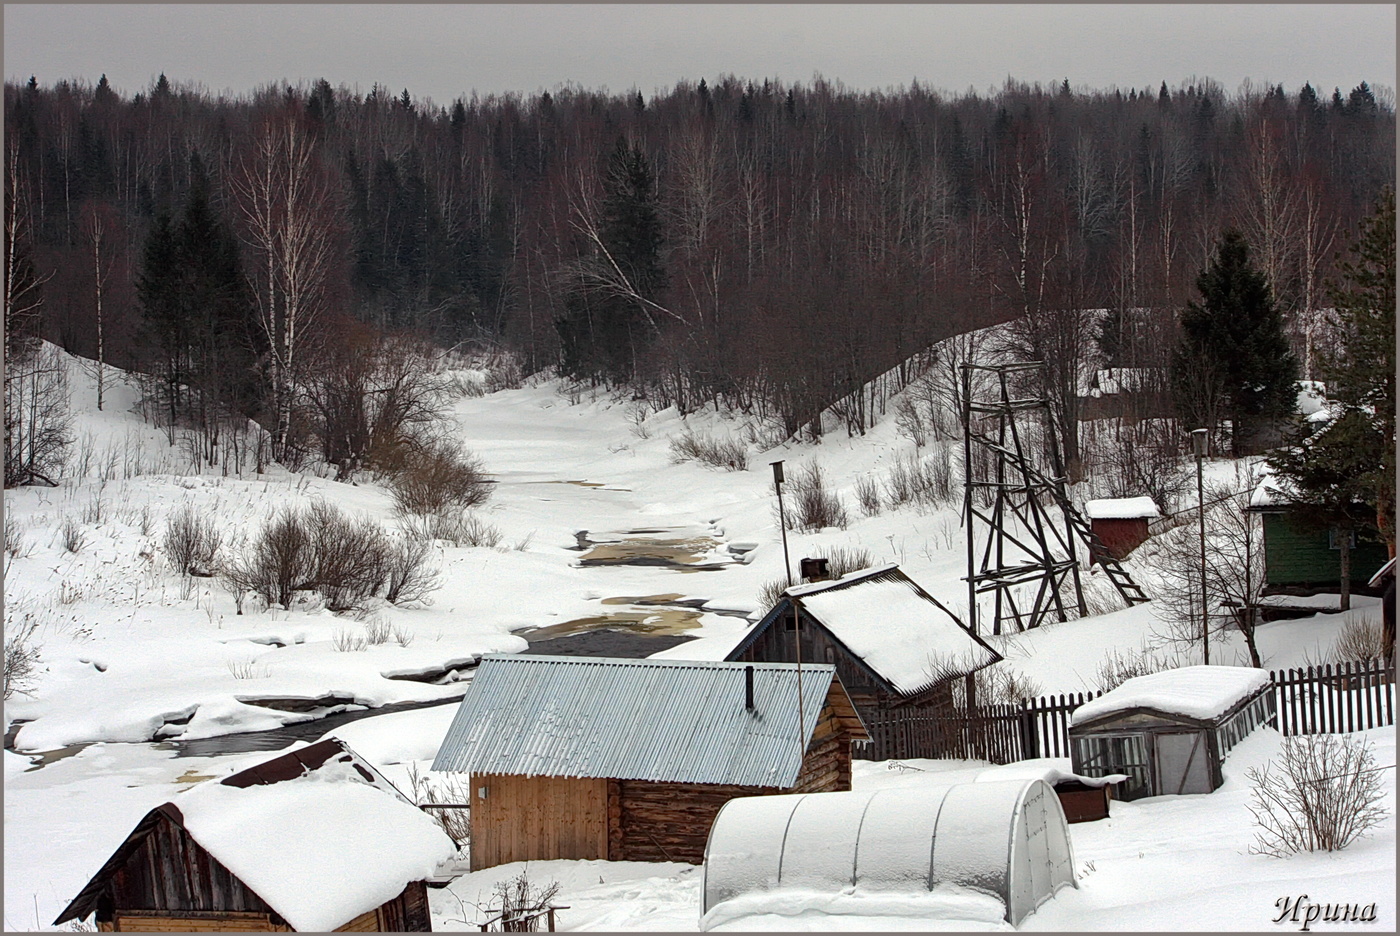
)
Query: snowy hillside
[{"x": 135, "y": 656}]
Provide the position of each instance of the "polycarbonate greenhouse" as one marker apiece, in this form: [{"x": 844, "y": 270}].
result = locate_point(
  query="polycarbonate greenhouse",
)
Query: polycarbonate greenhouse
[{"x": 1004, "y": 844}]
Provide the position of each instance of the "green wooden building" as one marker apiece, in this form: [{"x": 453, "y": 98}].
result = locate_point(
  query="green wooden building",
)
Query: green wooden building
[{"x": 1302, "y": 559}]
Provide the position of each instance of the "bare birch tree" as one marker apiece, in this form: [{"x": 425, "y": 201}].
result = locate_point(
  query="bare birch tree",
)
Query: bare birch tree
[{"x": 286, "y": 205}]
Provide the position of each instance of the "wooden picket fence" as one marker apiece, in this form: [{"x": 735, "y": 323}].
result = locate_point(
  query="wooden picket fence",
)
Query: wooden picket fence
[
  {"x": 1335, "y": 698},
  {"x": 1332, "y": 698}
]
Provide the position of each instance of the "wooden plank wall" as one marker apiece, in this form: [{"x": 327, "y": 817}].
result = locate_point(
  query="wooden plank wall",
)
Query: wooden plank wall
[
  {"x": 170, "y": 871},
  {"x": 537, "y": 818}
]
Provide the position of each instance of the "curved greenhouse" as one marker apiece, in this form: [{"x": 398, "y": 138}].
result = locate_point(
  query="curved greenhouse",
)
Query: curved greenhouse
[{"x": 1003, "y": 845}]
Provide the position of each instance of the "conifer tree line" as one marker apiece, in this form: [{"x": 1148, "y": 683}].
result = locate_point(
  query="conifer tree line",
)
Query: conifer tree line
[{"x": 763, "y": 245}]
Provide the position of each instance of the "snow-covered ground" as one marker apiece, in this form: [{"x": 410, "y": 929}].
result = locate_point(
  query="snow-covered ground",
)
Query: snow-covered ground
[{"x": 127, "y": 657}]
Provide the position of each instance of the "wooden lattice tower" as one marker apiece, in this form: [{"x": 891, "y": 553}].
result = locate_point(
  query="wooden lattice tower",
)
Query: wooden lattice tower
[{"x": 1013, "y": 539}]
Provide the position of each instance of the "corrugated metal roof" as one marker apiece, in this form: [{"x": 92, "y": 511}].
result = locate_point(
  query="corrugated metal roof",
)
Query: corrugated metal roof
[{"x": 676, "y": 721}]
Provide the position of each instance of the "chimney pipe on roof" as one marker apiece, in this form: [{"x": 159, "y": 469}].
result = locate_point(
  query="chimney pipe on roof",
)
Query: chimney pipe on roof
[
  {"x": 748, "y": 688},
  {"x": 815, "y": 570}
]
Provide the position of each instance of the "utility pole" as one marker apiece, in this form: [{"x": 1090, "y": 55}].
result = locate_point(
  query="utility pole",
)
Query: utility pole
[
  {"x": 796, "y": 617},
  {"x": 1199, "y": 441}
]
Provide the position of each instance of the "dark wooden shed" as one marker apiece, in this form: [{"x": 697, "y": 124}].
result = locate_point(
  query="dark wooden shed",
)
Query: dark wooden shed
[
  {"x": 630, "y": 760},
  {"x": 897, "y": 651},
  {"x": 1169, "y": 732},
  {"x": 169, "y": 877}
]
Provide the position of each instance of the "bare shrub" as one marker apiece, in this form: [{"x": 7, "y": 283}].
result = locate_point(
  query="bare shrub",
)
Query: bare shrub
[
  {"x": 925, "y": 481},
  {"x": 868, "y": 495},
  {"x": 37, "y": 423},
  {"x": 350, "y": 558},
  {"x": 21, "y": 665},
  {"x": 503, "y": 372},
  {"x": 520, "y": 904},
  {"x": 16, "y": 546},
  {"x": 771, "y": 593},
  {"x": 450, "y": 789},
  {"x": 438, "y": 477},
  {"x": 404, "y": 638},
  {"x": 192, "y": 541},
  {"x": 996, "y": 685},
  {"x": 95, "y": 509},
  {"x": 1321, "y": 795},
  {"x": 1359, "y": 639},
  {"x": 729, "y": 454},
  {"x": 477, "y": 532},
  {"x": 1120, "y": 665},
  {"x": 278, "y": 562},
  {"x": 377, "y": 631},
  {"x": 73, "y": 535},
  {"x": 248, "y": 669},
  {"x": 843, "y": 560},
  {"x": 407, "y": 574},
  {"x": 815, "y": 507},
  {"x": 346, "y": 642}
]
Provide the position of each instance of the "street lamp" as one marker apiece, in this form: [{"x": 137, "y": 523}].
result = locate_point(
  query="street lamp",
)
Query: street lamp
[{"x": 1199, "y": 441}]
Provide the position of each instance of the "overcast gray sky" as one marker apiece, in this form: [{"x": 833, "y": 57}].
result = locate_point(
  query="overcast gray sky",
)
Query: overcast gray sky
[{"x": 442, "y": 52}]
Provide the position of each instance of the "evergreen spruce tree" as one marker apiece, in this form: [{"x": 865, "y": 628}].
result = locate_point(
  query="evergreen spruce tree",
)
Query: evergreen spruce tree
[
  {"x": 1326, "y": 473},
  {"x": 1236, "y": 332},
  {"x": 606, "y": 326},
  {"x": 1361, "y": 376}
]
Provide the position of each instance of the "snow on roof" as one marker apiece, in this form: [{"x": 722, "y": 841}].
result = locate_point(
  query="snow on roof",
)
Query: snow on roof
[
  {"x": 1049, "y": 769},
  {"x": 897, "y": 629},
  {"x": 1312, "y": 397},
  {"x": 321, "y": 848},
  {"x": 1122, "y": 508},
  {"x": 1271, "y": 491},
  {"x": 1202, "y": 692}
]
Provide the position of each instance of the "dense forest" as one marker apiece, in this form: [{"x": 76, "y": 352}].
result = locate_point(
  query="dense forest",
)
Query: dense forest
[{"x": 758, "y": 244}]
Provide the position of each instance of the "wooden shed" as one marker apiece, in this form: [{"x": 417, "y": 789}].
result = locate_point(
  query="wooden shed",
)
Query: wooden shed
[
  {"x": 630, "y": 760},
  {"x": 897, "y": 651},
  {"x": 1301, "y": 559},
  {"x": 314, "y": 840},
  {"x": 1121, "y": 523},
  {"x": 1169, "y": 732}
]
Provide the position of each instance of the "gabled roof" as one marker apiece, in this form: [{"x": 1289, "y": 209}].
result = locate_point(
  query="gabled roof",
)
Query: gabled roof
[
  {"x": 317, "y": 833},
  {"x": 900, "y": 634},
  {"x": 675, "y": 721}
]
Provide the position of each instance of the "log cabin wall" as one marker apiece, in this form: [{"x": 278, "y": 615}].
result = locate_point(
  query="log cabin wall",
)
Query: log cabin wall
[
  {"x": 649, "y": 821},
  {"x": 537, "y": 818}
]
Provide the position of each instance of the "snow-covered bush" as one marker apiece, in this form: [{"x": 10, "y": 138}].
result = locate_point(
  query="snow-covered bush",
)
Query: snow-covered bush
[
  {"x": 1321, "y": 795},
  {"x": 192, "y": 541},
  {"x": 729, "y": 454}
]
